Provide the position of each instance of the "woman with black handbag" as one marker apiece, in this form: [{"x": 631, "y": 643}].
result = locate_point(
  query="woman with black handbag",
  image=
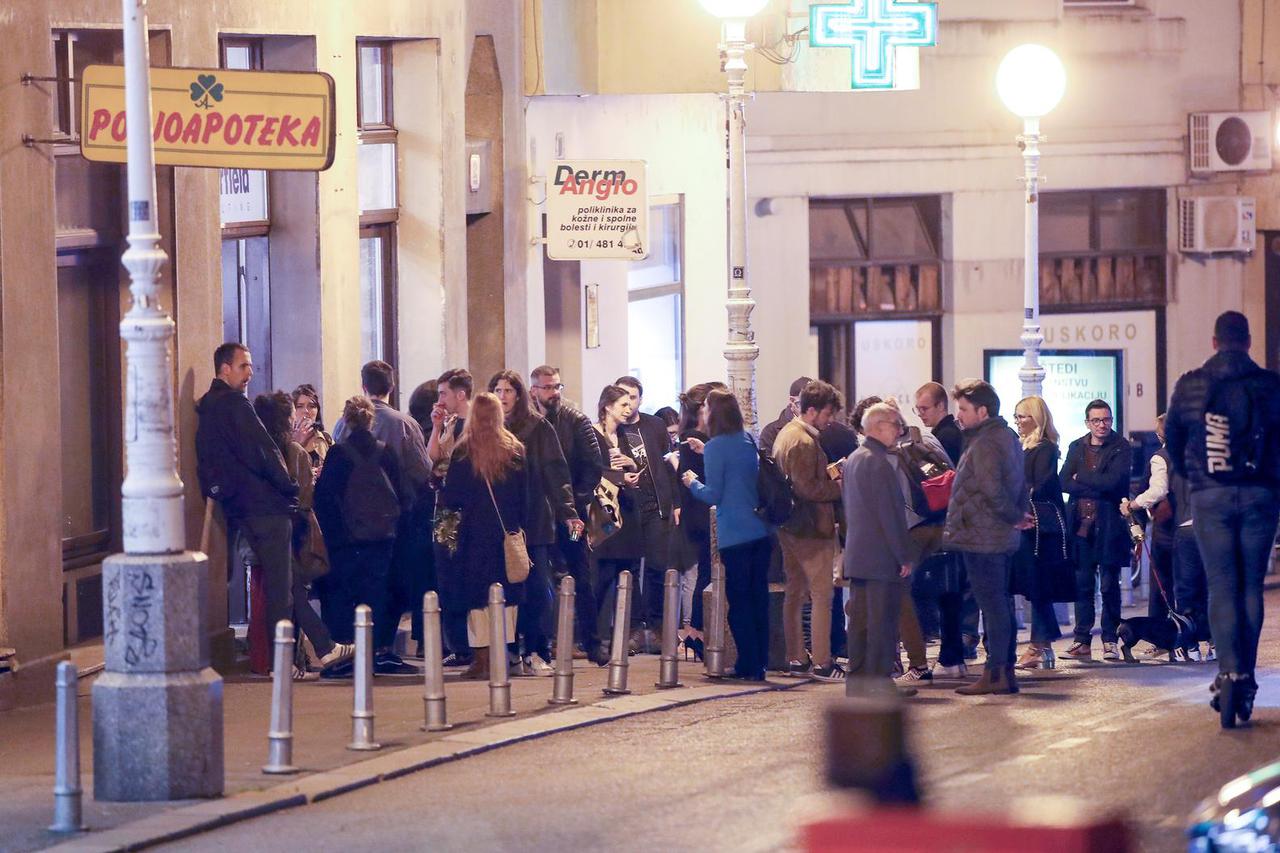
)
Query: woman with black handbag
[{"x": 1042, "y": 570}]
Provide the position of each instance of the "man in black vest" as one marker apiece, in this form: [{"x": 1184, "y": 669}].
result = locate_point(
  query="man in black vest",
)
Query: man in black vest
[{"x": 1223, "y": 435}]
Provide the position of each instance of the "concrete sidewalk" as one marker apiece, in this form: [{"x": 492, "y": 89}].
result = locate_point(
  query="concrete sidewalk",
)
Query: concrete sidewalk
[{"x": 322, "y": 728}]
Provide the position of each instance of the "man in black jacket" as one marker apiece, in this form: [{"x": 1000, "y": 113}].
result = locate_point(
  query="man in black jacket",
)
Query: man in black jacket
[
  {"x": 931, "y": 407},
  {"x": 582, "y": 453},
  {"x": 241, "y": 468},
  {"x": 1223, "y": 435},
  {"x": 647, "y": 442},
  {"x": 1096, "y": 477}
]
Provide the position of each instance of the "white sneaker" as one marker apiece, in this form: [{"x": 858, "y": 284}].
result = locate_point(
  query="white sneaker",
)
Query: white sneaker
[
  {"x": 960, "y": 670},
  {"x": 537, "y": 666},
  {"x": 339, "y": 653},
  {"x": 1212, "y": 654}
]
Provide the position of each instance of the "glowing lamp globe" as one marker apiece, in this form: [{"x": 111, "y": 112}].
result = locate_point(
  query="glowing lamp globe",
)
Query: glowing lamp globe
[
  {"x": 734, "y": 9},
  {"x": 1031, "y": 80}
]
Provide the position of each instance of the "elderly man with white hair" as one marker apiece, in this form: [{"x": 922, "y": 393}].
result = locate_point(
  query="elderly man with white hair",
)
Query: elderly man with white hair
[{"x": 876, "y": 556}]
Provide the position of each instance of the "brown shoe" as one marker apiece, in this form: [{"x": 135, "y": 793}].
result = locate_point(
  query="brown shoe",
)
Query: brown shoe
[
  {"x": 1006, "y": 681},
  {"x": 1080, "y": 651},
  {"x": 479, "y": 669}
]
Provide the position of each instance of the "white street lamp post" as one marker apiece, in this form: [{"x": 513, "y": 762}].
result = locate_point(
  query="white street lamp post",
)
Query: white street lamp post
[
  {"x": 157, "y": 707},
  {"x": 741, "y": 350},
  {"x": 1031, "y": 82}
]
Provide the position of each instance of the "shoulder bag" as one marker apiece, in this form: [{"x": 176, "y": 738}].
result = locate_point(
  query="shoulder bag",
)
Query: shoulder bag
[{"x": 515, "y": 551}]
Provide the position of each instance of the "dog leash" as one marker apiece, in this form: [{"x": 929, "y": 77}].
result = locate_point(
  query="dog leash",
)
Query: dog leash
[{"x": 1137, "y": 553}]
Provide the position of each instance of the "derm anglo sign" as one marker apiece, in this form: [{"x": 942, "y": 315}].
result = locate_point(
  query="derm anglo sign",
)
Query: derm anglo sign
[
  {"x": 597, "y": 209},
  {"x": 215, "y": 118}
]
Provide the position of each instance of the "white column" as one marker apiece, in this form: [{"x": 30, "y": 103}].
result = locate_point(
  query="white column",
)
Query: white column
[
  {"x": 1031, "y": 373},
  {"x": 741, "y": 349},
  {"x": 152, "y": 492}
]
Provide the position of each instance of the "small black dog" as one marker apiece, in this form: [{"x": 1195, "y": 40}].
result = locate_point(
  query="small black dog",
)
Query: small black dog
[{"x": 1172, "y": 634}]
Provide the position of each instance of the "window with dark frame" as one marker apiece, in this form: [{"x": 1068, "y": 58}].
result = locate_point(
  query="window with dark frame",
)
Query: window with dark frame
[
  {"x": 1103, "y": 248},
  {"x": 378, "y": 190},
  {"x": 871, "y": 259}
]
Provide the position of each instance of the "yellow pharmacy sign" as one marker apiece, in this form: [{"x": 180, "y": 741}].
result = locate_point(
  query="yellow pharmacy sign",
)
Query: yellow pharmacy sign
[{"x": 215, "y": 118}]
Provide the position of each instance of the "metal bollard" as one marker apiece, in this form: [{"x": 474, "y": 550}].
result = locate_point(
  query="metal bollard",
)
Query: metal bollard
[
  {"x": 562, "y": 691},
  {"x": 435, "y": 716},
  {"x": 668, "y": 666},
  {"x": 499, "y": 677},
  {"x": 280, "y": 735},
  {"x": 362, "y": 711},
  {"x": 621, "y": 635},
  {"x": 713, "y": 652},
  {"x": 66, "y": 784}
]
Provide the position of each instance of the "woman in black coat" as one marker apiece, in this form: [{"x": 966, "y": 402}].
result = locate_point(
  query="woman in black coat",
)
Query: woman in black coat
[
  {"x": 359, "y": 561},
  {"x": 1042, "y": 571},
  {"x": 487, "y": 492}
]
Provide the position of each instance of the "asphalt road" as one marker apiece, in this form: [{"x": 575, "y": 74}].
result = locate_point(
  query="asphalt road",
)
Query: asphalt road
[{"x": 740, "y": 774}]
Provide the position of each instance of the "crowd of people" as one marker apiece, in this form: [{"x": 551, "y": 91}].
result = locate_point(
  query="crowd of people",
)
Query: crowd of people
[{"x": 887, "y": 535}]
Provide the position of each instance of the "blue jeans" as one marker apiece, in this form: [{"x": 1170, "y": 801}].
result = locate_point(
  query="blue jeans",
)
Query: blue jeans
[
  {"x": 533, "y": 620},
  {"x": 746, "y": 586},
  {"x": 1235, "y": 528},
  {"x": 1044, "y": 622},
  {"x": 989, "y": 580},
  {"x": 1190, "y": 593},
  {"x": 1087, "y": 568}
]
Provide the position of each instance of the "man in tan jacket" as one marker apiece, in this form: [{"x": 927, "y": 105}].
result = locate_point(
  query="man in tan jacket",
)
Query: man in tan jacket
[{"x": 808, "y": 539}]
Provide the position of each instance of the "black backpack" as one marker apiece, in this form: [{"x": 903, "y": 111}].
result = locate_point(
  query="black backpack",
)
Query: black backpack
[
  {"x": 1234, "y": 431},
  {"x": 370, "y": 505},
  {"x": 777, "y": 500}
]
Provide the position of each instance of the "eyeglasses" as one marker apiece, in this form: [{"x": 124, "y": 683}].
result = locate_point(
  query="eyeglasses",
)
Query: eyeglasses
[
  {"x": 1023, "y": 418},
  {"x": 559, "y": 386},
  {"x": 1101, "y": 421}
]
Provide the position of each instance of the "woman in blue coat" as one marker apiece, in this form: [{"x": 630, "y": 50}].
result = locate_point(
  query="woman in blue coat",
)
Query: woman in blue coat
[{"x": 732, "y": 465}]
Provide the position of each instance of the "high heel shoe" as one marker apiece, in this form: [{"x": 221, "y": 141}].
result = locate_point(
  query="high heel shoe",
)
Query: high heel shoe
[{"x": 695, "y": 645}]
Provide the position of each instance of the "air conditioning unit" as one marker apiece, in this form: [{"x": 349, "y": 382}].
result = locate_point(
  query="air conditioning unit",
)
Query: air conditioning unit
[
  {"x": 1217, "y": 224},
  {"x": 1230, "y": 142}
]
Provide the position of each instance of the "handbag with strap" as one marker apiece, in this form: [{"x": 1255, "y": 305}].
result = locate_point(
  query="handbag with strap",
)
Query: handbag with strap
[
  {"x": 937, "y": 490},
  {"x": 515, "y": 551},
  {"x": 604, "y": 514},
  {"x": 1050, "y": 553}
]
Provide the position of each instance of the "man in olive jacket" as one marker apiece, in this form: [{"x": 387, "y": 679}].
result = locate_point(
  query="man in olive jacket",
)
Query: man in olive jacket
[
  {"x": 808, "y": 538},
  {"x": 877, "y": 554},
  {"x": 989, "y": 501}
]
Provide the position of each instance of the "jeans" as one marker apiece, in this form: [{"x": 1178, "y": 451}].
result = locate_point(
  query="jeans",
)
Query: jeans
[
  {"x": 1236, "y": 529},
  {"x": 270, "y": 537},
  {"x": 1190, "y": 590},
  {"x": 584, "y": 600},
  {"x": 989, "y": 579},
  {"x": 839, "y": 633},
  {"x": 414, "y": 567},
  {"x": 1087, "y": 568},
  {"x": 534, "y": 618},
  {"x": 704, "y": 579},
  {"x": 746, "y": 585},
  {"x": 1044, "y": 622}
]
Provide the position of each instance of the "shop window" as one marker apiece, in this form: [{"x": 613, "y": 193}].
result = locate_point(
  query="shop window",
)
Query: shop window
[
  {"x": 377, "y": 164},
  {"x": 1102, "y": 248},
  {"x": 655, "y": 310},
  {"x": 875, "y": 257}
]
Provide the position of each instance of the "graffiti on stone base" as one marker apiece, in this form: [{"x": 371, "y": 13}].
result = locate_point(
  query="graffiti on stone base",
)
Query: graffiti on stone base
[
  {"x": 138, "y": 605},
  {"x": 112, "y": 615}
]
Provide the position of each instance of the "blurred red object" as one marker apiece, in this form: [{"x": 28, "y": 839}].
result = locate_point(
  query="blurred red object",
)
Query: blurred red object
[
  {"x": 923, "y": 831},
  {"x": 259, "y": 637}
]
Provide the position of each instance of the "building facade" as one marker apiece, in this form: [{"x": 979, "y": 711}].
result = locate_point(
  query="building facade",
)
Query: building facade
[{"x": 394, "y": 252}]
